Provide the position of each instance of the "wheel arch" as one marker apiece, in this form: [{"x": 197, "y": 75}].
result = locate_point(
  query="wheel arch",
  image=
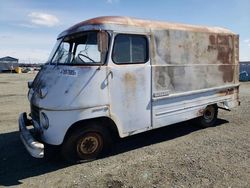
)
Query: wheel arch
[{"x": 102, "y": 121}]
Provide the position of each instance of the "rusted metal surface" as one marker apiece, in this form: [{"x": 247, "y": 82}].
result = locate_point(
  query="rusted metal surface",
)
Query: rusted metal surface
[
  {"x": 128, "y": 21},
  {"x": 189, "y": 67},
  {"x": 185, "y": 61}
]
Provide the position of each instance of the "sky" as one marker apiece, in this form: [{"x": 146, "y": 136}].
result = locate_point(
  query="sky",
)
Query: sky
[{"x": 29, "y": 28}]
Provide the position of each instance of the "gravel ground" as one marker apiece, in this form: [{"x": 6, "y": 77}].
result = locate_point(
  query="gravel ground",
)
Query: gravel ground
[{"x": 179, "y": 155}]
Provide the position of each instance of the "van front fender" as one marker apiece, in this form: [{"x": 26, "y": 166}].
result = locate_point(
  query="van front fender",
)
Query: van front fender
[{"x": 61, "y": 121}]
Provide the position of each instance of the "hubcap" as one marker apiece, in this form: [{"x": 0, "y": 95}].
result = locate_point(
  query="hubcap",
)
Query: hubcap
[
  {"x": 89, "y": 144},
  {"x": 209, "y": 114}
]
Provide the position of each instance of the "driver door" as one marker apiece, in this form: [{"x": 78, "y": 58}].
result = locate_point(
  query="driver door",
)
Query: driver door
[{"x": 130, "y": 83}]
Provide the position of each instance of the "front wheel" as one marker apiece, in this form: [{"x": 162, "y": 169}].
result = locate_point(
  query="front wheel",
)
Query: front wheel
[
  {"x": 86, "y": 143},
  {"x": 209, "y": 116}
]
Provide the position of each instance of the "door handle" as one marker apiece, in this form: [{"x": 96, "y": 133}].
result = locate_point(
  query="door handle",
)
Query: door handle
[
  {"x": 106, "y": 80},
  {"x": 110, "y": 74}
]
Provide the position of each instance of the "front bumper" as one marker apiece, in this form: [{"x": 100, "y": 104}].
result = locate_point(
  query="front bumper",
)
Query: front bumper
[{"x": 35, "y": 148}]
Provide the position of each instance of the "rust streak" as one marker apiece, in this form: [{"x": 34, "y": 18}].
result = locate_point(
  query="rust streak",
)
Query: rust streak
[{"x": 119, "y": 20}]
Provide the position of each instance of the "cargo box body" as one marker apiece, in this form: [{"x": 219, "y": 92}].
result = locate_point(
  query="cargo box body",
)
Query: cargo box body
[
  {"x": 191, "y": 69},
  {"x": 143, "y": 75}
]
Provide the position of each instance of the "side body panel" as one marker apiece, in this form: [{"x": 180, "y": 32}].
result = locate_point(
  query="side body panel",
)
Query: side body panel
[{"x": 190, "y": 71}]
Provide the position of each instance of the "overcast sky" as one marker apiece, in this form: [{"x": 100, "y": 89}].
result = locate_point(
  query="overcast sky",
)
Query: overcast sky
[{"x": 28, "y": 28}]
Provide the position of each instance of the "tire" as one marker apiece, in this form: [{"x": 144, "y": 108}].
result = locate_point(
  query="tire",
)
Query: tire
[
  {"x": 209, "y": 116},
  {"x": 86, "y": 143}
]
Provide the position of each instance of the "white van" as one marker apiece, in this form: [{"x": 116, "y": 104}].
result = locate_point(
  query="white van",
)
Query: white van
[{"x": 119, "y": 76}]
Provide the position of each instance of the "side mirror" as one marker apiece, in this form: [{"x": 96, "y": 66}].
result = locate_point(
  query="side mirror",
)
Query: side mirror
[
  {"x": 102, "y": 39},
  {"x": 30, "y": 84}
]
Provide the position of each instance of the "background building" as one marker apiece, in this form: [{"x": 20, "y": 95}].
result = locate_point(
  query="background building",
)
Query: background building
[
  {"x": 245, "y": 71},
  {"x": 8, "y": 64}
]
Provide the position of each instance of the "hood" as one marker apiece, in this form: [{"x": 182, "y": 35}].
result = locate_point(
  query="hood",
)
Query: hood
[{"x": 60, "y": 87}]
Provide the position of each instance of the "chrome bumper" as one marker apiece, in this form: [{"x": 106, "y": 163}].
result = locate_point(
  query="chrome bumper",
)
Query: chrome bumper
[{"x": 35, "y": 148}]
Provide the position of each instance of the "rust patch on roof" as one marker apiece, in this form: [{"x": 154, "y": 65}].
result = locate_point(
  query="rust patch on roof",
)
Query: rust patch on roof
[{"x": 128, "y": 21}]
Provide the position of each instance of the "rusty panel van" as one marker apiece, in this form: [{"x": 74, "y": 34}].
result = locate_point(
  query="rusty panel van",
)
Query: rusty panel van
[{"x": 113, "y": 77}]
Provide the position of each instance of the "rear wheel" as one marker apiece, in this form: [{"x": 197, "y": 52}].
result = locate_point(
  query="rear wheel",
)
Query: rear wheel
[
  {"x": 209, "y": 116},
  {"x": 86, "y": 143}
]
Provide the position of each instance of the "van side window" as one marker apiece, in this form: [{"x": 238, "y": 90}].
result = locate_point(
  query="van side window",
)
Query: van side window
[{"x": 130, "y": 49}]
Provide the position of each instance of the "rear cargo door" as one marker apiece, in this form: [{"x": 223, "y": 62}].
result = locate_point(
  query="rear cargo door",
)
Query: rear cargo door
[{"x": 130, "y": 83}]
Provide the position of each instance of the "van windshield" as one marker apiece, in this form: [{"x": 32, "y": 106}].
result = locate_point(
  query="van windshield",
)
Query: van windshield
[{"x": 81, "y": 48}]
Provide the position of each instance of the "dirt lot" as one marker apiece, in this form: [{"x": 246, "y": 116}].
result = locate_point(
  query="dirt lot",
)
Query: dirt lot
[{"x": 179, "y": 155}]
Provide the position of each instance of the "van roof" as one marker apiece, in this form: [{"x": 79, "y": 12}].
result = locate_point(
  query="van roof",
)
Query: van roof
[{"x": 146, "y": 24}]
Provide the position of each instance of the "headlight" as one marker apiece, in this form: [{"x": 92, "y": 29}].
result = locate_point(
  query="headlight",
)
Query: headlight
[
  {"x": 42, "y": 92},
  {"x": 44, "y": 120}
]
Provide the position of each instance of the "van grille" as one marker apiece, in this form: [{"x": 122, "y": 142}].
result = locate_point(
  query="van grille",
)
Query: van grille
[{"x": 35, "y": 113}]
